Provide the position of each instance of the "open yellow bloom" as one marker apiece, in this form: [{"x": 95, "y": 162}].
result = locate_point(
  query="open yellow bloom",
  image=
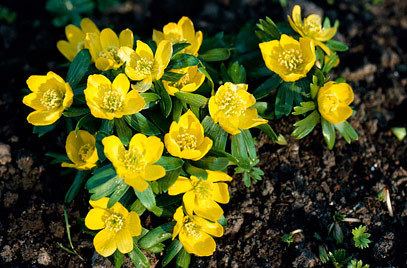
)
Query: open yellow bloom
[
  {"x": 312, "y": 28},
  {"x": 202, "y": 196},
  {"x": 333, "y": 101},
  {"x": 104, "y": 47},
  {"x": 136, "y": 165},
  {"x": 190, "y": 82},
  {"x": 118, "y": 227},
  {"x": 50, "y": 96},
  {"x": 231, "y": 107},
  {"x": 186, "y": 138},
  {"x": 195, "y": 233},
  {"x": 76, "y": 38},
  {"x": 81, "y": 150},
  {"x": 289, "y": 58},
  {"x": 180, "y": 32},
  {"x": 143, "y": 65},
  {"x": 109, "y": 100}
]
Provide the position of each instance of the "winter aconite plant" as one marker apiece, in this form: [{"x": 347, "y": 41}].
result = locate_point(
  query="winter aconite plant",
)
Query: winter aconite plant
[{"x": 153, "y": 126}]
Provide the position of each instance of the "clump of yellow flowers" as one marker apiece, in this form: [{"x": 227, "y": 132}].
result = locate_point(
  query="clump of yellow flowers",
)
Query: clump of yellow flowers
[{"x": 154, "y": 129}]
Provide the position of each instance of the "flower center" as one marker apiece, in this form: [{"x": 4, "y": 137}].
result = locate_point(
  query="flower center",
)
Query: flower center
[
  {"x": 330, "y": 102},
  {"x": 134, "y": 160},
  {"x": 85, "y": 151},
  {"x": 230, "y": 104},
  {"x": 313, "y": 24},
  {"x": 112, "y": 100},
  {"x": 111, "y": 53},
  {"x": 183, "y": 81},
  {"x": 291, "y": 59},
  {"x": 114, "y": 222},
  {"x": 186, "y": 141},
  {"x": 143, "y": 66},
  {"x": 203, "y": 189},
  {"x": 192, "y": 229},
  {"x": 52, "y": 98}
]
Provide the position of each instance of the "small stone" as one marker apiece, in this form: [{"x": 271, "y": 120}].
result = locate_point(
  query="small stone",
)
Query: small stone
[
  {"x": 44, "y": 258},
  {"x": 5, "y": 155}
]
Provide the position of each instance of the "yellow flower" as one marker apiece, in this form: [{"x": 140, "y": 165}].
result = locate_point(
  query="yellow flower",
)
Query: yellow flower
[
  {"x": 109, "y": 100},
  {"x": 118, "y": 227},
  {"x": 190, "y": 82},
  {"x": 312, "y": 28},
  {"x": 136, "y": 165},
  {"x": 104, "y": 47},
  {"x": 81, "y": 150},
  {"x": 289, "y": 58},
  {"x": 180, "y": 32},
  {"x": 333, "y": 101},
  {"x": 186, "y": 138},
  {"x": 76, "y": 38},
  {"x": 231, "y": 106},
  {"x": 50, "y": 96},
  {"x": 195, "y": 233},
  {"x": 143, "y": 65},
  {"x": 202, "y": 196}
]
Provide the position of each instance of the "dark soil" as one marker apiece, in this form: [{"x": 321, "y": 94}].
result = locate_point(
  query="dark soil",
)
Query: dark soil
[{"x": 304, "y": 186}]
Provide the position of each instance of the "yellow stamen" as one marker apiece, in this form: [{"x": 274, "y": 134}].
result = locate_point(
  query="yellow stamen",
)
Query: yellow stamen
[
  {"x": 143, "y": 66},
  {"x": 291, "y": 59},
  {"x": 231, "y": 104},
  {"x": 133, "y": 160},
  {"x": 85, "y": 151},
  {"x": 114, "y": 222},
  {"x": 112, "y": 101},
  {"x": 52, "y": 98},
  {"x": 186, "y": 141}
]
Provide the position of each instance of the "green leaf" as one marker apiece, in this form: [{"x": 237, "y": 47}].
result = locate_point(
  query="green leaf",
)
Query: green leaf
[
  {"x": 138, "y": 258},
  {"x": 192, "y": 99},
  {"x": 141, "y": 124},
  {"x": 75, "y": 187},
  {"x": 106, "y": 188},
  {"x": 347, "y": 131},
  {"x": 337, "y": 45},
  {"x": 328, "y": 131},
  {"x": 150, "y": 98},
  {"x": 172, "y": 76},
  {"x": 169, "y": 179},
  {"x": 183, "y": 259},
  {"x": 75, "y": 111},
  {"x": 171, "y": 252},
  {"x": 118, "y": 259},
  {"x": 268, "y": 29},
  {"x": 195, "y": 171},
  {"x": 243, "y": 150},
  {"x": 117, "y": 194},
  {"x": 216, "y": 54},
  {"x": 123, "y": 131},
  {"x": 361, "y": 237},
  {"x": 237, "y": 73},
  {"x": 170, "y": 163},
  {"x": 304, "y": 108},
  {"x": 137, "y": 207},
  {"x": 306, "y": 125},
  {"x": 100, "y": 176},
  {"x": 213, "y": 163},
  {"x": 156, "y": 235},
  {"x": 268, "y": 130},
  {"x": 165, "y": 103},
  {"x": 42, "y": 130},
  {"x": 182, "y": 60},
  {"x": 78, "y": 68},
  {"x": 147, "y": 198},
  {"x": 202, "y": 69},
  {"x": 178, "y": 47},
  {"x": 284, "y": 100},
  {"x": 215, "y": 133}
]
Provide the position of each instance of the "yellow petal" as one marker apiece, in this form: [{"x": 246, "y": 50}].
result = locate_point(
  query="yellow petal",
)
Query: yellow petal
[
  {"x": 212, "y": 228},
  {"x": 187, "y": 27},
  {"x": 250, "y": 119},
  {"x": 287, "y": 42},
  {"x": 92, "y": 41},
  {"x": 155, "y": 149},
  {"x": 215, "y": 176},
  {"x": 154, "y": 172},
  {"x": 109, "y": 39},
  {"x": 220, "y": 192},
  {"x": 105, "y": 243},
  {"x": 204, "y": 148},
  {"x": 124, "y": 241},
  {"x": 66, "y": 49},
  {"x": 88, "y": 26},
  {"x": 113, "y": 149},
  {"x": 103, "y": 64},
  {"x": 121, "y": 83},
  {"x": 344, "y": 92},
  {"x": 208, "y": 209},
  {"x": 171, "y": 145},
  {"x": 144, "y": 51},
  {"x": 179, "y": 214},
  {"x": 296, "y": 15},
  {"x": 133, "y": 103},
  {"x": 181, "y": 185},
  {"x": 126, "y": 38},
  {"x": 35, "y": 81},
  {"x": 162, "y": 58},
  {"x": 100, "y": 203},
  {"x": 189, "y": 202},
  {"x": 43, "y": 118},
  {"x": 95, "y": 220},
  {"x": 133, "y": 223},
  {"x": 74, "y": 34},
  {"x": 137, "y": 183},
  {"x": 200, "y": 245},
  {"x": 157, "y": 36},
  {"x": 68, "y": 98},
  {"x": 308, "y": 50}
]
